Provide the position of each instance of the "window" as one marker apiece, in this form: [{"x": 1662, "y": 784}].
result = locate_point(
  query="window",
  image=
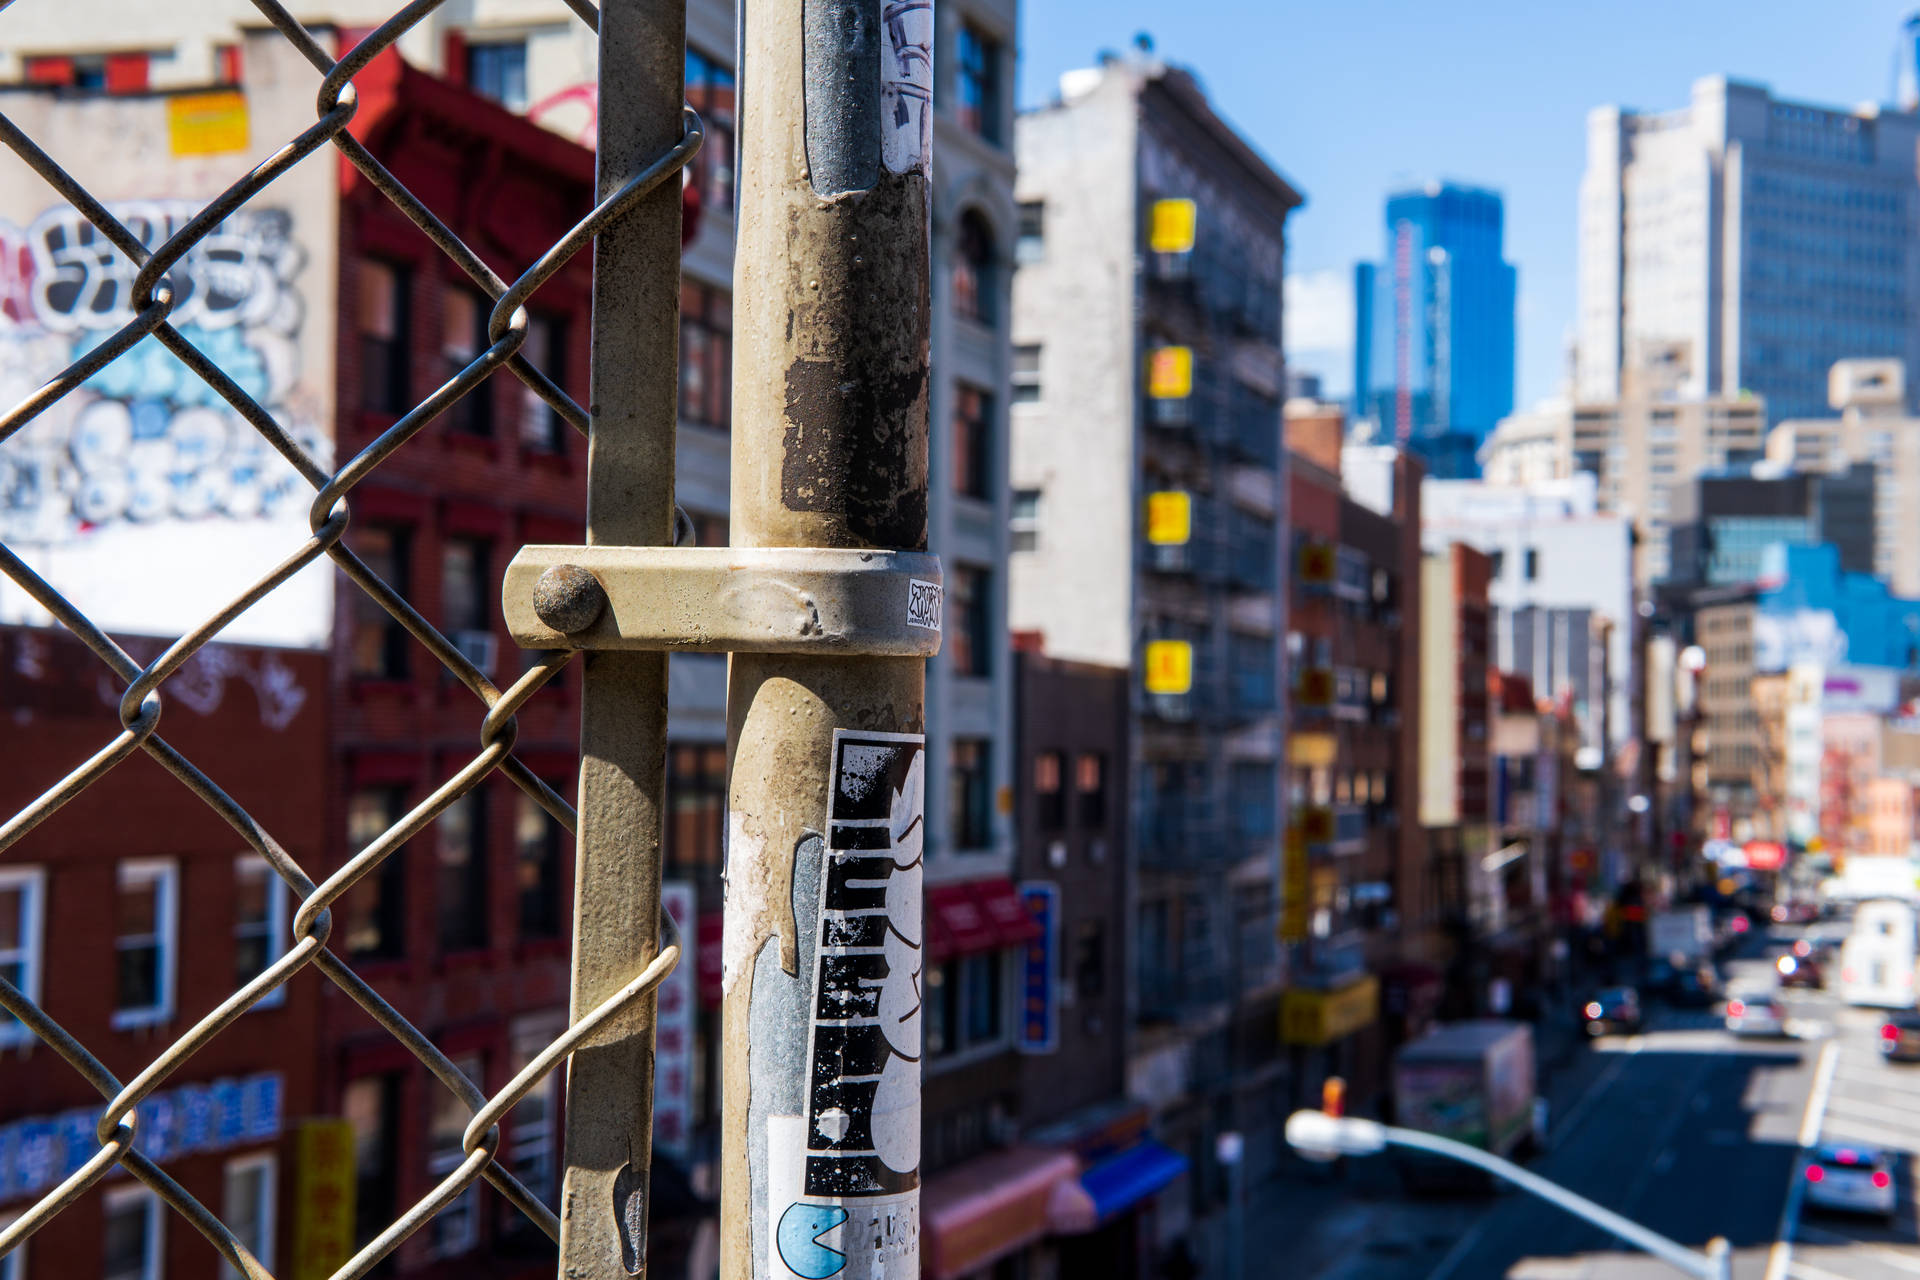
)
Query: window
[
  {"x": 384, "y": 375},
  {"x": 542, "y": 429},
  {"x": 460, "y": 847},
  {"x": 498, "y": 70},
  {"x": 375, "y": 908},
  {"x": 710, "y": 92},
  {"x": 972, "y": 441},
  {"x": 530, "y": 1133},
  {"x": 380, "y": 643},
  {"x": 696, "y": 807},
  {"x": 132, "y": 1234},
  {"x": 1533, "y": 564},
  {"x": 972, "y": 279},
  {"x": 13, "y": 1266},
  {"x": 1090, "y": 959},
  {"x": 465, "y": 604},
  {"x": 145, "y": 914},
  {"x": 1032, "y": 244},
  {"x": 1025, "y": 521},
  {"x": 1049, "y": 791},
  {"x": 1496, "y": 564},
  {"x": 970, "y": 799},
  {"x": 247, "y": 1207},
  {"x": 22, "y": 911},
  {"x": 259, "y": 923},
  {"x": 977, "y": 89},
  {"x": 539, "y": 844},
  {"x": 456, "y": 1228},
  {"x": 371, "y": 1105},
  {"x": 966, "y": 1004},
  {"x": 706, "y": 355},
  {"x": 1026, "y": 373},
  {"x": 463, "y": 336},
  {"x": 1090, "y": 784},
  {"x": 969, "y": 620}
]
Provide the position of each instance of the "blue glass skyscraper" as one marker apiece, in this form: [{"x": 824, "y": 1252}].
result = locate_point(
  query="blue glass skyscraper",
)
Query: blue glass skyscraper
[{"x": 1433, "y": 326}]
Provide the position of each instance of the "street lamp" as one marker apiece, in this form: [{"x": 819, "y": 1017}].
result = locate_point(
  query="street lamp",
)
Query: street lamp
[{"x": 1317, "y": 1133}]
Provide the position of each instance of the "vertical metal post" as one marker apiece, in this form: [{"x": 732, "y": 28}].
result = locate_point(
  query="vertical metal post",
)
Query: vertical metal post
[
  {"x": 623, "y": 731},
  {"x": 822, "y": 970}
]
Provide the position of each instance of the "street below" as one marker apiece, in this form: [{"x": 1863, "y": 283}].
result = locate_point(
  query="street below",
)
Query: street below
[{"x": 1685, "y": 1128}]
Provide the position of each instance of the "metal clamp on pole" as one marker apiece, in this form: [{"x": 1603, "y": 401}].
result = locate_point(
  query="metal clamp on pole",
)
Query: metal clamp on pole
[{"x": 883, "y": 604}]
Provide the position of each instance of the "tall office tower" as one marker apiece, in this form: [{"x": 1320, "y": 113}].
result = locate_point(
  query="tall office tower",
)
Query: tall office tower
[
  {"x": 1433, "y": 326},
  {"x": 1755, "y": 240}
]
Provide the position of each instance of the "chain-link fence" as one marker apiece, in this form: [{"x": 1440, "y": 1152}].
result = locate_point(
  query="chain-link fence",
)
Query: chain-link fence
[{"x": 140, "y": 704}]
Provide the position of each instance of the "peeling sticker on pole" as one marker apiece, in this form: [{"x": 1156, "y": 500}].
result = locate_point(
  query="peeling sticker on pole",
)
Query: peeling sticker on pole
[
  {"x": 844, "y": 1178},
  {"x": 923, "y": 604},
  {"x": 906, "y": 84}
]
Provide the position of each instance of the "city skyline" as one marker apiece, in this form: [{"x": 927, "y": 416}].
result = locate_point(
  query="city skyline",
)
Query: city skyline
[{"x": 1407, "y": 128}]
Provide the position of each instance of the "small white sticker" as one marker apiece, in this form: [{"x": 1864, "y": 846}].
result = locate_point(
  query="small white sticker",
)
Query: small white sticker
[
  {"x": 906, "y": 85},
  {"x": 923, "y": 604}
]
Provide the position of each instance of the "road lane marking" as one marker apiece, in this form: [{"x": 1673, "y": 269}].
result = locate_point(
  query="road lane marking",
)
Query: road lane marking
[{"x": 1780, "y": 1257}]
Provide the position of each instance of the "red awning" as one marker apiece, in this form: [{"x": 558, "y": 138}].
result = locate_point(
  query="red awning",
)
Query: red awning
[
  {"x": 975, "y": 916},
  {"x": 987, "y": 1208}
]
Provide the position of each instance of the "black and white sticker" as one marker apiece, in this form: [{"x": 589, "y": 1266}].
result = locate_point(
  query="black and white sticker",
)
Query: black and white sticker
[
  {"x": 923, "y": 604},
  {"x": 845, "y": 1177}
]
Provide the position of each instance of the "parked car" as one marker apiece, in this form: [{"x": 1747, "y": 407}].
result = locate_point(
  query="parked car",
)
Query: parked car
[
  {"x": 1694, "y": 987},
  {"x": 1800, "y": 970},
  {"x": 1756, "y": 1013},
  {"x": 1616, "y": 1009},
  {"x": 1851, "y": 1179},
  {"x": 1900, "y": 1037}
]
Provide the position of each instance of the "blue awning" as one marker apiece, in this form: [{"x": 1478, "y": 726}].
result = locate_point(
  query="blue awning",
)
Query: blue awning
[{"x": 1120, "y": 1182}]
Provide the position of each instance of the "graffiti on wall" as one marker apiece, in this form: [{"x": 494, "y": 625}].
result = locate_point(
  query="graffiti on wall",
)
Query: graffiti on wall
[{"x": 145, "y": 439}]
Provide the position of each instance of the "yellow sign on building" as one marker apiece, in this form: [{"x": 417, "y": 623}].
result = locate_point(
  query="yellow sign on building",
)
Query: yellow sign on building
[
  {"x": 1169, "y": 666},
  {"x": 1171, "y": 229},
  {"x": 1296, "y": 887},
  {"x": 1170, "y": 373},
  {"x": 1169, "y": 518},
  {"x": 323, "y": 1195},
  {"x": 203, "y": 124},
  {"x": 1315, "y": 1017}
]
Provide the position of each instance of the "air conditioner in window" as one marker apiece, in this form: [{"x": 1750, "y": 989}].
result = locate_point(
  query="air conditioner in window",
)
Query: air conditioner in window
[{"x": 478, "y": 647}]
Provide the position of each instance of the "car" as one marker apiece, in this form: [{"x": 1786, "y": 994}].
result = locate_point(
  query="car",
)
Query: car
[
  {"x": 1616, "y": 1009},
  {"x": 1900, "y": 1037},
  {"x": 1850, "y": 1178},
  {"x": 1756, "y": 1013},
  {"x": 1800, "y": 970}
]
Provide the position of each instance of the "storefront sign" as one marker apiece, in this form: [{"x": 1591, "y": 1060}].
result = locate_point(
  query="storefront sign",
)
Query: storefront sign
[
  {"x": 1170, "y": 373},
  {"x": 1171, "y": 229},
  {"x": 1170, "y": 518},
  {"x": 203, "y": 124},
  {"x": 323, "y": 1198},
  {"x": 37, "y": 1153},
  {"x": 1320, "y": 1017},
  {"x": 673, "y": 1028},
  {"x": 1296, "y": 888},
  {"x": 1169, "y": 666},
  {"x": 1039, "y": 1023}
]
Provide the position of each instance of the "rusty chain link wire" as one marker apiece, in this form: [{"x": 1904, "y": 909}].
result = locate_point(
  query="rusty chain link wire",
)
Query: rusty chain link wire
[{"x": 141, "y": 703}]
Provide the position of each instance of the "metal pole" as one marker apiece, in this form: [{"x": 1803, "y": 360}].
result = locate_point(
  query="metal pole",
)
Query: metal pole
[
  {"x": 821, "y": 958},
  {"x": 623, "y": 729}
]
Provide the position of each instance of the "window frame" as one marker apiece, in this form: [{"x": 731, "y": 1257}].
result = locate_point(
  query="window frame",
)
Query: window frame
[
  {"x": 706, "y": 311},
  {"x": 1030, "y": 240},
  {"x": 396, "y": 363},
  {"x": 473, "y": 933},
  {"x": 165, "y": 874},
  {"x": 371, "y": 1218},
  {"x": 551, "y": 853},
  {"x": 973, "y": 451},
  {"x": 534, "y": 1142},
  {"x": 389, "y": 879},
  {"x": 969, "y": 615},
  {"x": 542, "y": 430},
  {"x": 1023, "y": 377},
  {"x": 978, "y": 72},
  {"x": 491, "y": 46},
  {"x": 396, "y": 655},
  {"x": 152, "y": 1266},
  {"x": 276, "y": 923},
  {"x": 268, "y": 1192},
  {"x": 977, "y": 799},
  {"x": 464, "y": 1207},
  {"x": 31, "y": 953},
  {"x": 973, "y": 271},
  {"x": 472, "y": 415}
]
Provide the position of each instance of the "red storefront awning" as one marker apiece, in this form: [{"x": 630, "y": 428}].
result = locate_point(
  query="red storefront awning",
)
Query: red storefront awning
[
  {"x": 987, "y": 1208},
  {"x": 975, "y": 916}
]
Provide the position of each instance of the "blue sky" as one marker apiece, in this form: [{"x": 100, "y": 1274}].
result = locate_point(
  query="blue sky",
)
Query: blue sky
[{"x": 1354, "y": 97}]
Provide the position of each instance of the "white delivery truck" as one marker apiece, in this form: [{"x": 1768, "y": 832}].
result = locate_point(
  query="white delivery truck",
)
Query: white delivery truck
[
  {"x": 1469, "y": 1081},
  {"x": 1878, "y": 960},
  {"x": 1682, "y": 936}
]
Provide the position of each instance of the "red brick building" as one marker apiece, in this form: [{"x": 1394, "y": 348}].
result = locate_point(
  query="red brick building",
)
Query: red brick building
[{"x": 132, "y": 912}]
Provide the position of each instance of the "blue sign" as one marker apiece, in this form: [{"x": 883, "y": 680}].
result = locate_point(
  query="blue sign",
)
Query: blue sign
[
  {"x": 1039, "y": 1016},
  {"x": 39, "y": 1152}
]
